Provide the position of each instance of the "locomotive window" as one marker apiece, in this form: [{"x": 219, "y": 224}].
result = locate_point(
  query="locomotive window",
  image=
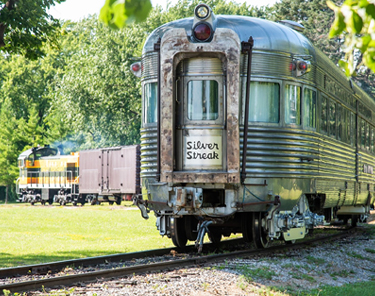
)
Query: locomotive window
[
  {"x": 150, "y": 102},
  {"x": 292, "y": 104},
  {"x": 323, "y": 116},
  {"x": 309, "y": 104},
  {"x": 264, "y": 102},
  {"x": 203, "y": 99},
  {"x": 332, "y": 119}
]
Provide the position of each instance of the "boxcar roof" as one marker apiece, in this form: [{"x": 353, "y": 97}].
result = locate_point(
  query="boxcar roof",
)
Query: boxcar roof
[{"x": 267, "y": 35}]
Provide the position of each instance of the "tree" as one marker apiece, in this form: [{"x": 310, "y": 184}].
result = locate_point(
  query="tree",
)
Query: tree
[
  {"x": 98, "y": 96},
  {"x": 25, "y": 26},
  {"x": 355, "y": 19},
  {"x": 118, "y": 14},
  {"x": 317, "y": 18}
]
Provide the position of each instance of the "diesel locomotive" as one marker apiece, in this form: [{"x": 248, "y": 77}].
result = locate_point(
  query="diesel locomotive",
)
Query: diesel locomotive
[{"x": 249, "y": 128}]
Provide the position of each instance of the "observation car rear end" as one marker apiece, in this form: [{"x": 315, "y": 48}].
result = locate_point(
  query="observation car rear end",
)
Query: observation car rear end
[{"x": 248, "y": 128}]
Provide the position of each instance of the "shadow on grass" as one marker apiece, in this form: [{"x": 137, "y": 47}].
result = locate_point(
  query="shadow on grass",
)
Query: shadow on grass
[{"x": 9, "y": 260}]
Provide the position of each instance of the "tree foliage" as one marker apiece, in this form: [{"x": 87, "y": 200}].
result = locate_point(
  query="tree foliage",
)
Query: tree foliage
[
  {"x": 25, "y": 26},
  {"x": 355, "y": 19},
  {"x": 118, "y": 13},
  {"x": 317, "y": 18}
]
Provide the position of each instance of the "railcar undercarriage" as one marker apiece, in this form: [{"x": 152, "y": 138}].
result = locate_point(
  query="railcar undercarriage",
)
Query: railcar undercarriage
[{"x": 261, "y": 227}]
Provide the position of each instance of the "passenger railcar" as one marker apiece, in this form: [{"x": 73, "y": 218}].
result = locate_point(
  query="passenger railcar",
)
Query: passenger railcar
[
  {"x": 94, "y": 176},
  {"x": 248, "y": 128}
]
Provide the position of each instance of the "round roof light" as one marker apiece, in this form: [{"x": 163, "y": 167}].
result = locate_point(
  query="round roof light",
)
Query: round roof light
[
  {"x": 202, "y": 32},
  {"x": 202, "y": 11}
]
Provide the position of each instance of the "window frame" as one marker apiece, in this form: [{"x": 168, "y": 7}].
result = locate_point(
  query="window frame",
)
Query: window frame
[
  {"x": 300, "y": 86},
  {"x": 243, "y": 98},
  {"x": 144, "y": 123},
  {"x": 221, "y": 119},
  {"x": 304, "y": 126}
]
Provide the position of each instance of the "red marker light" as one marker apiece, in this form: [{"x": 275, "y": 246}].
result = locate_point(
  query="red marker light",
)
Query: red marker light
[
  {"x": 136, "y": 67},
  {"x": 302, "y": 66},
  {"x": 292, "y": 66},
  {"x": 202, "y": 31}
]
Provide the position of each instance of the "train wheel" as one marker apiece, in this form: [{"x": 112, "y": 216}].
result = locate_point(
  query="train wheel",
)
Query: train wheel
[
  {"x": 111, "y": 203},
  {"x": 247, "y": 227},
  {"x": 354, "y": 220},
  {"x": 191, "y": 228},
  {"x": 43, "y": 202},
  {"x": 179, "y": 237},
  {"x": 260, "y": 236},
  {"x": 214, "y": 236}
]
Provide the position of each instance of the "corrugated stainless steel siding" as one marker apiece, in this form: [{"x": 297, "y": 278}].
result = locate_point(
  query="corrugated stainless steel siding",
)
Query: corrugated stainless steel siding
[
  {"x": 150, "y": 65},
  {"x": 148, "y": 152},
  {"x": 273, "y": 64},
  {"x": 368, "y": 161},
  {"x": 337, "y": 160},
  {"x": 295, "y": 153}
]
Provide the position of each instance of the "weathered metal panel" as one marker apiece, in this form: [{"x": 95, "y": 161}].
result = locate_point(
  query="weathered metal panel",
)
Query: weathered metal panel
[
  {"x": 90, "y": 171},
  {"x": 109, "y": 171},
  {"x": 224, "y": 43},
  {"x": 123, "y": 165}
]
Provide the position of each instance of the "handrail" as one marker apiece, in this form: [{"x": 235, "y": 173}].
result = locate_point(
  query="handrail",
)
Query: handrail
[{"x": 246, "y": 47}]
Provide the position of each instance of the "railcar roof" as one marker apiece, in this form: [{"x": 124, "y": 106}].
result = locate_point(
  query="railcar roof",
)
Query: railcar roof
[{"x": 267, "y": 35}]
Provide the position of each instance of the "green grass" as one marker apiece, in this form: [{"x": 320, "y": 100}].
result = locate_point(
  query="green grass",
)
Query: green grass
[
  {"x": 35, "y": 234},
  {"x": 361, "y": 288}
]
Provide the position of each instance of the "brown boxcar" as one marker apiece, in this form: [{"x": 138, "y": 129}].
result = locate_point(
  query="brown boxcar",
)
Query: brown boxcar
[{"x": 109, "y": 174}]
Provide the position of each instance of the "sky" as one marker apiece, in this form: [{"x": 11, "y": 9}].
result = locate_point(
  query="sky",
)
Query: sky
[{"x": 76, "y": 10}]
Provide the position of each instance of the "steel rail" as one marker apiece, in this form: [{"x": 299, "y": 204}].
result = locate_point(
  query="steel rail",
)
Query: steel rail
[
  {"x": 44, "y": 268},
  {"x": 69, "y": 280}
]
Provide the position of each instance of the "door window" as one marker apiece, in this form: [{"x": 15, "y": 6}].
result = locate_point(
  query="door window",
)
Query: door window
[{"x": 203, "y": 100}]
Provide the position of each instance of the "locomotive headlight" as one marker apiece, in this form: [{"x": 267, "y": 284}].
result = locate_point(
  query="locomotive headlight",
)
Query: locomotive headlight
[{"x": 202, "y": 11}]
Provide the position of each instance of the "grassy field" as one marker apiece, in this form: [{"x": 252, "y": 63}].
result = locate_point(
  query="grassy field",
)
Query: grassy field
[{"x": 33, "y": 234}]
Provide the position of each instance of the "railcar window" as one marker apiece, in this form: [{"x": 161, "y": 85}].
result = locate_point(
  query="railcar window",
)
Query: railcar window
[
  {"x": 203, "y": 99},
  {"x": 150, "y": 102},
  {"x": 264, "y": 102},
  {"x": 363, "y": 134},
  {"x": 368, "y": 140},
  {"x": 352, "y": 135},
  {"x": 309, "y": 107},
  {"x": 372, "y": 139},
  {"x": 292, "y": 104},
  {"x": 323, "y": 116},
  {"x": 339, "y": 122},
  {"x": 332, "y": 119},
  {"x": 345, "y": 132}
]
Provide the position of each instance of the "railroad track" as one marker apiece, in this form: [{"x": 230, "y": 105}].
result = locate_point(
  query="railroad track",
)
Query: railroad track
[{"x": 69, "y": 280}]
